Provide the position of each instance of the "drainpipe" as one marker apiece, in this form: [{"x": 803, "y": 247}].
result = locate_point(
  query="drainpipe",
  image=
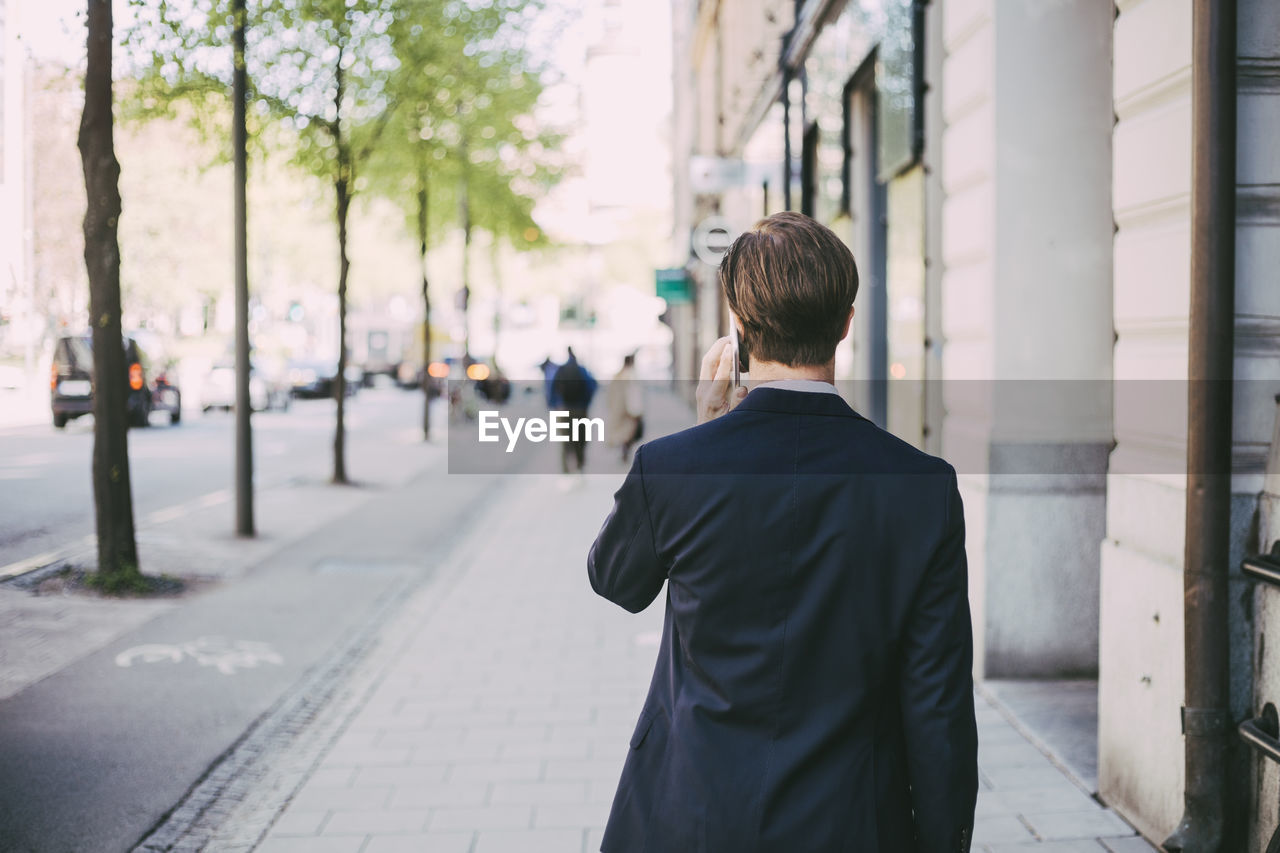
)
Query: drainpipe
[{"x": 1206, "y": 715}]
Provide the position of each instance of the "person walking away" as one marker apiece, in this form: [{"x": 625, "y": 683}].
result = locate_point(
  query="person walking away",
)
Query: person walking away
[
  {"x": 549, "y": 369},
  {"x": 626, "y": 408},
  {"x": 574, "y": 387},
  {"x": 813, "y": 689}
]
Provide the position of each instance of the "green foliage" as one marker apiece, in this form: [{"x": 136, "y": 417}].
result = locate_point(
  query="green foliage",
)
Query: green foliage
[
  {"x": 441, "y": 87},
  {"x": 317, "y": 71},
  {"x": 465, "y": 93}
]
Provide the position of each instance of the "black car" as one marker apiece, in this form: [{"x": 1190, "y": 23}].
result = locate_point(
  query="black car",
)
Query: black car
[
  {"x": 71, "y": 383},
  {"x": 315, "y": 378}
]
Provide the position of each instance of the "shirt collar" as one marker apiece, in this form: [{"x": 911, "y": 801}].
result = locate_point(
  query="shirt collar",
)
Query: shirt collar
[{"x": 815, "y": 386}]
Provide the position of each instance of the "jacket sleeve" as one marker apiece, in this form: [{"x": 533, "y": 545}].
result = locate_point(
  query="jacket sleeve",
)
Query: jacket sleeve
[
  {"x": 623, "y": 563},
  {"x": 937, "y": 695}
]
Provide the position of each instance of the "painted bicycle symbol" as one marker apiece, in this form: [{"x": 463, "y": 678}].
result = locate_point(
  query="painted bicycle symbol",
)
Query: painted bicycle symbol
[{"x": 227, "y": 656}]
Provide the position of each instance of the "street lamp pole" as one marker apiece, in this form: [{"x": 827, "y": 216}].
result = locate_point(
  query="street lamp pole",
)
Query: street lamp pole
[{"x": 239, "y": 133}]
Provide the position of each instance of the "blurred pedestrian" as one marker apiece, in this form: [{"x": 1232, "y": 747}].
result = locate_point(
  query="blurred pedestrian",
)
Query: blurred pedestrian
[
  {"x": 549, "y": 369},
  {"x": 813, "y": 689},
  {"x": 626, "y": 408},
  {"x": 573, "y": 388}
]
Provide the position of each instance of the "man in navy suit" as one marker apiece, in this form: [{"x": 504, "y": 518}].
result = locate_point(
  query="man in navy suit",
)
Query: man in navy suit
[{"x": 813, "y": 688}]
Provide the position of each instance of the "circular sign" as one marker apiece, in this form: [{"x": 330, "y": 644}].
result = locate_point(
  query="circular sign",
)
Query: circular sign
[{"x": 711, "y": 239}]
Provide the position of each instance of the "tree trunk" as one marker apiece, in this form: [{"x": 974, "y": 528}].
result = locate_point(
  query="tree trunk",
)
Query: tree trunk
[
  {"x": 342, "y": 185},
  {"x": 113, "y": 499},
  {"x": 464, "y": 213},
  {"x": 244, "y": 406},
  {"x": 344, "y": 267},
  {"x": 426, "y": 302},
  {"x": 495, "y": 262}
]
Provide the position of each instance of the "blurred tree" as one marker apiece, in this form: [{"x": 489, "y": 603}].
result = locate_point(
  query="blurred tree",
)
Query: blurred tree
[
  {"x": 319, "y": 71},
  {"x": 463, "y": 146},
  {"x": 113, "y": 498}
]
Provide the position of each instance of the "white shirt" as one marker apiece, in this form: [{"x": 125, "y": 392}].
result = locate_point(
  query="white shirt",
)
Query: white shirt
[{"x": 816, "y": 386}]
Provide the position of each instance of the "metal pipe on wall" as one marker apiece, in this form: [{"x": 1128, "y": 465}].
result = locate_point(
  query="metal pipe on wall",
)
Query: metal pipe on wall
[{"x": 1206, "y": 715}]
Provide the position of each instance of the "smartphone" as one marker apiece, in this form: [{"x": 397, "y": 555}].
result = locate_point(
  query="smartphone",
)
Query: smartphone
[{"x": 739, "y": 355}]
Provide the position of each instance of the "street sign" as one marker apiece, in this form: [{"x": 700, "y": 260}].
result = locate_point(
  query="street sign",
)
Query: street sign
[
  {"x": 711, "y": 175},
  {"x": 716, "y": 175},
  {"x": 673, "y": 285},
  {"x": 711, "y": 239}
]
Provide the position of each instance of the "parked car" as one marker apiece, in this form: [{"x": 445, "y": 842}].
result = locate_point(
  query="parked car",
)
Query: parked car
[
  {"x": 72, "y": 380},
  {"x": 315, "y": 378},
  {"x": 265, "y": 392},
  {"x": 411, "y": 375}
]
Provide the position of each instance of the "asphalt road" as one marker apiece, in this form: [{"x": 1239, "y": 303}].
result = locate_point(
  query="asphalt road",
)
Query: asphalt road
[
  {"x": 94, "y": 755},
  {"x": 46, "y": 489}
]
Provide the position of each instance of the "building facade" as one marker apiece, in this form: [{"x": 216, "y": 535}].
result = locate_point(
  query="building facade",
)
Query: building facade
[
  {"x": 1015, "y": 182},
  {"x": 16, "y": 323}
]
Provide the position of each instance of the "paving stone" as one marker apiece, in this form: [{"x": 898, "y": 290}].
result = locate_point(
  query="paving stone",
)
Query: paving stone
[
  {"x": 439, "y": 794},
  {"x": 595, "y": 768},
  {"x": 570, "y": 815},
  {"x": 1095, "y": 823},
  {"x": 380, "y": 821},
  {"x": 1012, "y": 754},
  {"x": 530, "y": 841},
  {"x": 580, "y": 714},
  {"x": 299, "y": 822},
  {"x": 1000, "y": 828},
  {"x": 365, "y": 756},
  {"x": 335, "y": 844},
  {"x": 1062, "y": 797},
  {"x": 486, "y": 817},
  {"x": 1048, "y": 847},
  {"x": 602, "y": 791},
  {"x": 547, "y": 750},
  {"x": 506, "y": 734},
  {"x": 436, "y": 842},
  {"x": 421, "y": 736},
  {"x": 990, "y": 803},
  {"x": 416, "y": 774},
  {"x": 495, "y": 771},
  {"x": 539, "y": 792},
  {"x": 1132, "y": 844},
  {"x": 317, "y": 797},
  {"x": 1023, "y": 778},
  {"x": 451, "y": 752}
]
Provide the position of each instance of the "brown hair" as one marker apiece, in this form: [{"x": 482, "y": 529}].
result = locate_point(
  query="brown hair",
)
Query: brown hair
[{"x": 790, "y": 281}]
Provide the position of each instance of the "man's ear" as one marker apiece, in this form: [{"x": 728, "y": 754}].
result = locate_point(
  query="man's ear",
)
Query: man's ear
[{"x": 848, "y": 321}]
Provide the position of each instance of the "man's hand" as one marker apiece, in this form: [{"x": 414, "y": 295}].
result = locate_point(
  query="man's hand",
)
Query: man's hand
[{"x": 714, "y": 395}]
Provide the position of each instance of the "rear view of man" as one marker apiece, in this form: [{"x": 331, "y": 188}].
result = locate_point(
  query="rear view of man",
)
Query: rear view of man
[
  {"x": 813, "y": 687},
  {"x": 574, "y": 387}
]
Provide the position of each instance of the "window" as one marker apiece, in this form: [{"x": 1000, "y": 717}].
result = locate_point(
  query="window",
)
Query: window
[{"x": 809, "y": 171}]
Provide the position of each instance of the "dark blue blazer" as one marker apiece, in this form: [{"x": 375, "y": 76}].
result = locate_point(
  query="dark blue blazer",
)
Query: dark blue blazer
[{"x": 813, "y": 688}]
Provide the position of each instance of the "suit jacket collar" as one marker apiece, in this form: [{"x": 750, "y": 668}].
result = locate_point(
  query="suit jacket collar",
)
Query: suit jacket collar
[{"x": 781, "y": 400}]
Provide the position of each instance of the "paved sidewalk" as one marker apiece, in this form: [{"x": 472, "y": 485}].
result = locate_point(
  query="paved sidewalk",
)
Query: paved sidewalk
[
  {"x": 1027, "y": 803},
  {"x": 42, "y": 634},
  {"x": 503, "y": 724}
]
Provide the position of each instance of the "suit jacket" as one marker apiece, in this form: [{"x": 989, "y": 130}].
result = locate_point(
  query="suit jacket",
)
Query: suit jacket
[{"x": 813, "y": 688}]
